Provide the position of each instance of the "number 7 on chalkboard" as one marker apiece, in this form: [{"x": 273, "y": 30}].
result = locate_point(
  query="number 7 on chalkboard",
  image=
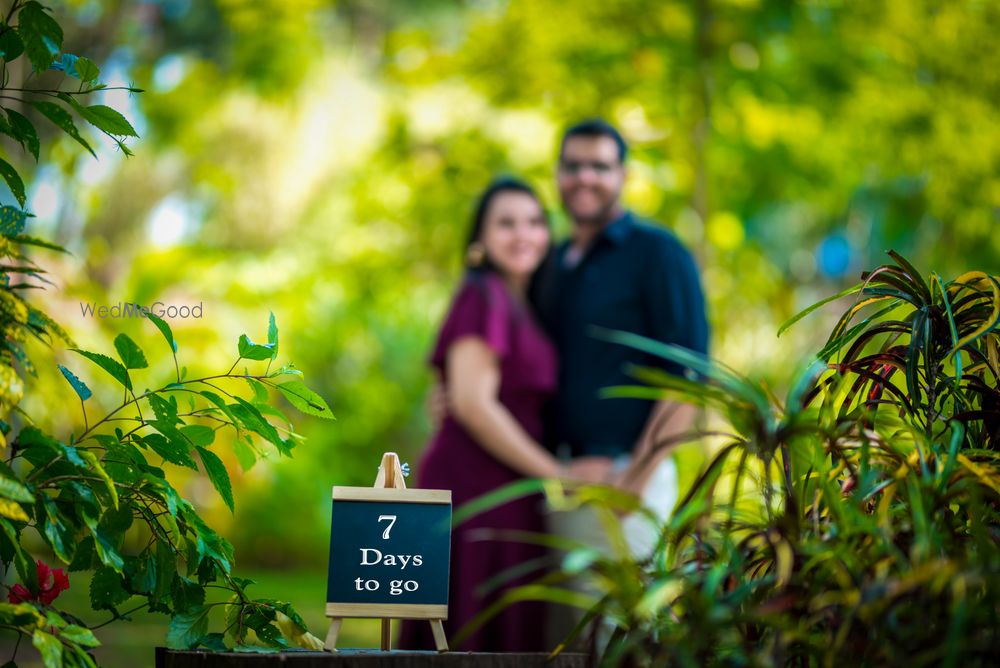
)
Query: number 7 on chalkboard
[{"x": 392, "y": 520}]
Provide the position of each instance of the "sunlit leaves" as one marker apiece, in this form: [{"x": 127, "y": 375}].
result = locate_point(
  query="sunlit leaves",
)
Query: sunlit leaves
[
  {"x": 217, "y": 473},
  {"x": 164, "y": 328},
  {"x": 12, "y": 489},
  {"x": 130, "y": 353},
  {"x": 304, "y": 399},
  {"x": 255, "y": 351},
  {"x": 13, "y": 510},
  {"x": 49, "y": 647},
  {"x": 113, "y": 367}
]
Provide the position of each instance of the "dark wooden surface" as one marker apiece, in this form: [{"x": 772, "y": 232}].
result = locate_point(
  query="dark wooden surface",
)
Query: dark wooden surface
[{"x": 363, "y": 658}]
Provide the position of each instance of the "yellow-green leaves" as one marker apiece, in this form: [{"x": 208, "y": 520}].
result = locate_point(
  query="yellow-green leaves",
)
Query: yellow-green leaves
[
  {"x": 305, "y": 399},
  {"x": 130, "y": 353}
]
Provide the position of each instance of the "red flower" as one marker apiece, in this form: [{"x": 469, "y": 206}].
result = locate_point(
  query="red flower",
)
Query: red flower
[{"x": 51, "y": 583}]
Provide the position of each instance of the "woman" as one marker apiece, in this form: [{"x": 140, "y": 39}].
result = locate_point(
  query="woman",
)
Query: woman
[{"x": 498, "y": 368}]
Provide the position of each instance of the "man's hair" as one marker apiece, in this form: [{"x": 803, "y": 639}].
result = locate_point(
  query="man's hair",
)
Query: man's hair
[{"x": 595, "y": 127}]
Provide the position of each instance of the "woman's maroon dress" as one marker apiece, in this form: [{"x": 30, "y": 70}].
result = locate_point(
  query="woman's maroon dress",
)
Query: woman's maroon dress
[{"x": 484, "y": 308}]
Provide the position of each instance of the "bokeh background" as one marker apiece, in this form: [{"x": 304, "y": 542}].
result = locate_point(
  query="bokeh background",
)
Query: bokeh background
[{"x": 319, "y": 160}]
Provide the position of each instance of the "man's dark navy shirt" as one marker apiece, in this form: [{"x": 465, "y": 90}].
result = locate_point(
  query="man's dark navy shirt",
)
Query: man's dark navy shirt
[{"x": 637, "y": 278}]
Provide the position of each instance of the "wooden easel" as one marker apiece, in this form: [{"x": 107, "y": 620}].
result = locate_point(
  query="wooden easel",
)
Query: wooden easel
[{"x": 390, "y": 476}]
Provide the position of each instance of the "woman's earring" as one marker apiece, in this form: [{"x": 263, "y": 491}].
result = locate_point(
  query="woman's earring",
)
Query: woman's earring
[{"x": 475, "y": 255}]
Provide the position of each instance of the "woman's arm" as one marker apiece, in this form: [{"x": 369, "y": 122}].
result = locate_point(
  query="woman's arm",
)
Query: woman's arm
[{"x": 473, "y": 372}]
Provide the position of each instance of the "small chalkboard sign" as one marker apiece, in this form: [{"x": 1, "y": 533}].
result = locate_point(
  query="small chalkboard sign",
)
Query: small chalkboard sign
[{"x": 389, "y": 553}]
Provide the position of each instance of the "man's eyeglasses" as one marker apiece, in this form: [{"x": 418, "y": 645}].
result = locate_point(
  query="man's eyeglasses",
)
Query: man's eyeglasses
[{"x": 573, "y": 167}]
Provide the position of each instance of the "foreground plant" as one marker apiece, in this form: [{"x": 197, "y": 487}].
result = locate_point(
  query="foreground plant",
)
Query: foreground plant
[
  {"x": 855, "y": 523},
  {"x": 86, "y": 493},
  {"x": 90, "y": 493}
]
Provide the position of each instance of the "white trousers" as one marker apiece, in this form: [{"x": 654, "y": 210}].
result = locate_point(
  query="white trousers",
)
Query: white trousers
[{"x": 640, "y": 532}]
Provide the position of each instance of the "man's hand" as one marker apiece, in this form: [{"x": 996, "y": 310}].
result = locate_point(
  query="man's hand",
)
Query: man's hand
[{"x": 590, "y": 469}]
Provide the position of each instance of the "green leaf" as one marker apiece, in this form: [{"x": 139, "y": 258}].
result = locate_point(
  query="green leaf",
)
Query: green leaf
[
  {"x": 13, "y": 510},
  {"x": 165, "y": 409},
  {"x": 251, "y": 418},
  {"x": 188, "y": 628},
  {"x": 22, "y": 560},
  {"x": 86, "y": 70},
  {"x": 198, "y": 434},
  {"x": 20, "y": 614},
  {"x": 218, "y": 475},
  {"x": 58, "y": 535},
  {"x": 79, "y": 386},
  {"x": 62, "y": 120},
  {"x": 97, "y": 468},
  {"x": 255, "y": 351},
  {"x": 107, "y": 120},
  {"x": 286, "y": 370},
  {"x": 174, "y": 450},
  {"x": 118, "y": 520},
  {"x": 113, "y": 367},
  {"x": 130, "y": 353},
  {"x": 12, "y": 489},
  {"x": 305, "y": 399},
  {"x": 185, "y": 594},
  {"x": 140, "y": 573},
  {"x": 166, "y": 569},
  {"x": 12, "y": 220},
  {"x": 798, "y": 316},
  {"x": 33, "y": 437},
  {"x": 106, "y": 551},
  {"x": 24, "y": 132},
  {"x": 106, "y": 590},
  {"x": 49, "y": 647},
  {"x": 13, "y": 180},
  {"x": 41, "y": 34},
  {"x": 259, "y": 391},
  {"x": 83, "y": 559},
  {"x": 209, "y": 544},
  {"x": 11, "y": 45},
  {"x": 80, "y": 636},
  {"x": 164, "y": 329},
  {"x": 244, "y": 453},
  {"x": 272, "y": 333}
]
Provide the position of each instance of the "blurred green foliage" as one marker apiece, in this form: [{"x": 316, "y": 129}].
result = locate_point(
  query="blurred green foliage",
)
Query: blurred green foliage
[{"x": 320, "y": 160}]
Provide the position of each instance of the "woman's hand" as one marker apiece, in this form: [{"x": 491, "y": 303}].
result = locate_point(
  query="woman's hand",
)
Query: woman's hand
[{"x": 589, "y": 469}]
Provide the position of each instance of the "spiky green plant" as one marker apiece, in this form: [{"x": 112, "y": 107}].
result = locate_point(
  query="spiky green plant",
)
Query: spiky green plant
[{"x": 854, "y": 523}]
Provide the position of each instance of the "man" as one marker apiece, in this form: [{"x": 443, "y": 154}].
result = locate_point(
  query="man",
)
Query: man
[{"x": 619, "y": 273}]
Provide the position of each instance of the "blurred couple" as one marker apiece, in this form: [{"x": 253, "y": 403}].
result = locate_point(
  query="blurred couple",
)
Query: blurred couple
[{"x": 522, "y": 375}]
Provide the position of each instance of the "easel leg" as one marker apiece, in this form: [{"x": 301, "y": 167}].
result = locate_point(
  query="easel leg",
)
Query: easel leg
[
  {"x": 440, "y": 641},
  {"x": 386, "y": 635},
  {"x": 331, "y": 635}
]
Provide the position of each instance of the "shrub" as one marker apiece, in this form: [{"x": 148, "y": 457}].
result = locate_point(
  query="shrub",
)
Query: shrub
[{"x": 854, "y": 523}]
